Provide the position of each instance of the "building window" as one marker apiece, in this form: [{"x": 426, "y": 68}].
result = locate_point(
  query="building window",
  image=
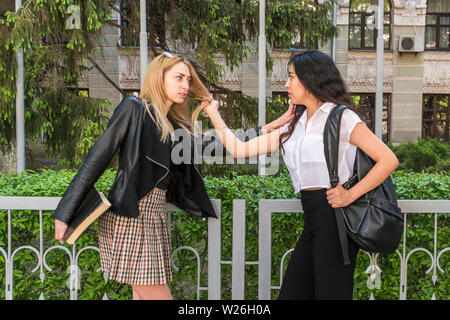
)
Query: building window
[
  {"x": 298, "y": 43},
  {"x": 129, "y": 37},
  {"x": 435, "y": 117},
  {"x": 129, "y": 23},
  {"x": 360, "y": 33},
  {"x": 365, "y": 105},
  {"x": 437, "y": 25}
]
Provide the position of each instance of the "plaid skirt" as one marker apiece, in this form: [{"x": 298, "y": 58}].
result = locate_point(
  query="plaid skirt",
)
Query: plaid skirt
[{"x": 137, "y": 250}]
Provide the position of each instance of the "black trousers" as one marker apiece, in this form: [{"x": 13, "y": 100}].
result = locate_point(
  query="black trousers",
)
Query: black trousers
[{"x": 316, "y": 269}]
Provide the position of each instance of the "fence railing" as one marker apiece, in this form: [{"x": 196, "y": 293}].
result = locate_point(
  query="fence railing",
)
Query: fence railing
[
  {"x": 50, "y": 203},
  {"x": 268, "y": 207},
  {"x": 238, "y": 261}
]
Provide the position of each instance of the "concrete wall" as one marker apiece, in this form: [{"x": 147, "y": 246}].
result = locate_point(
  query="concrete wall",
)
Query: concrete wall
[
  {"x": 407, "y": 84},
  {"x": 107, "y": 60}
]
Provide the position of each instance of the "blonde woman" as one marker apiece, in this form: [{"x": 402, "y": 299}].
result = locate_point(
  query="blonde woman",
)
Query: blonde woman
[{"x": 133, "y": 234}]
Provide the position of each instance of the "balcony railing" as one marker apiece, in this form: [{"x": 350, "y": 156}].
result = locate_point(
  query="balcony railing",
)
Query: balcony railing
[{"x": 214, "y": 257}]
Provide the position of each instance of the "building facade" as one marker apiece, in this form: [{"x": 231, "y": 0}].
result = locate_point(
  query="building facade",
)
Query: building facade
[
  {"x": 416, "y": 90},
  {"x": 416, "y": 83}
]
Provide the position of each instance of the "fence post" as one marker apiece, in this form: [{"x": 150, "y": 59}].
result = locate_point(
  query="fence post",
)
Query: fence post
[
  {"x": 264, "y": 251},
  {"x": 238, "y": 255},
  {"x": 214, "y": 253}
]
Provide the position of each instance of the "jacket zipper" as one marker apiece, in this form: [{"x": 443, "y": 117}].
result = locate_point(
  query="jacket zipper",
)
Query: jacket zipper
[
  {"x": 167, "y": 169},
  {"x": 197, "y": 171},
  {"x": 204, "y": 219}
]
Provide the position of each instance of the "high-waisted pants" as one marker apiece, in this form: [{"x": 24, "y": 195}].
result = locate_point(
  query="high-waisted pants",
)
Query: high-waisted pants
[{"x": 316, "y": 269}]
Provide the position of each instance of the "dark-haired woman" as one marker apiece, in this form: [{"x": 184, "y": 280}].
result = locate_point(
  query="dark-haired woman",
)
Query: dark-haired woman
[{"x": 316, "y": 269}]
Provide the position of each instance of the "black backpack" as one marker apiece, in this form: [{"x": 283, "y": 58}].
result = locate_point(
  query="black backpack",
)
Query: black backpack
[{"x": 374, "y": 221}]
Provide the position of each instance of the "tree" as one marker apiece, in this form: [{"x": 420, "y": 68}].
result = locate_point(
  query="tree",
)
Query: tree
[{"x": 55, "y": 56}]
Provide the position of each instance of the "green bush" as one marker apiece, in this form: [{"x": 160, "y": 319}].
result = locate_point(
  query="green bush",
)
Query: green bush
[
  {"x": 187, "y": 230},
  {"x": 429, "y": 155}
]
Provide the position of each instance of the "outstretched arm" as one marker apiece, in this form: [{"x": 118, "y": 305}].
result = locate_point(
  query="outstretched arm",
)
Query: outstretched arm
[
  {"x": 264, "y": 143},
  {"x": 209, "y": 140}
]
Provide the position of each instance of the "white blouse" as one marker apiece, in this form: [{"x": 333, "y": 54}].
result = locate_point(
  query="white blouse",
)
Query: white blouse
[{"x": 304, "y": 154}]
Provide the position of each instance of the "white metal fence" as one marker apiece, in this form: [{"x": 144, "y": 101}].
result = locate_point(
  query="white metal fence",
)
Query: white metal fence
[
  {"x": 268, "y": 207},
  {"x": 214, "y": 257}
]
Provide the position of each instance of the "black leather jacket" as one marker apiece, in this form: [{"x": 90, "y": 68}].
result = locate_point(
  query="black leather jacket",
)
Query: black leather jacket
[{"x": 143, "y": 161}]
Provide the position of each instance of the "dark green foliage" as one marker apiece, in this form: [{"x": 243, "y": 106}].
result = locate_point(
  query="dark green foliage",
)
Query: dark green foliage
[
  {"x": 54, "y": 58},
  {"x": 430, "y": 155},
  {"x": 190, "y": 231}
]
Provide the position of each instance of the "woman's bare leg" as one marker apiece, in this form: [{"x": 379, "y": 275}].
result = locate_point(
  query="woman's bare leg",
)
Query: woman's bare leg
[
  {"x": 135, "y": 295},
  {"x": 156, "y": 292}
]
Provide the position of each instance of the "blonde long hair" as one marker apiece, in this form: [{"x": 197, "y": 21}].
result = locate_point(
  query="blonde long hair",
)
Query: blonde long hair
[{"x": 153, "y": 95}]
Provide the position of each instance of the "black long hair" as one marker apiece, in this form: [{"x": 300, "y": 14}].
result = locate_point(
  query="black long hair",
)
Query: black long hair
[{"x": 319, "y": 75}]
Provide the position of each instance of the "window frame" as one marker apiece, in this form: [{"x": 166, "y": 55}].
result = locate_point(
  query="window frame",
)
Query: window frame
[
  {"x": 437, "y": 27},
  {"x": 363, "y": 27},
  {"x": 125, "y": 41},
  {"x": 386, "y": 108},
  {"x": 433, "y": 118}
]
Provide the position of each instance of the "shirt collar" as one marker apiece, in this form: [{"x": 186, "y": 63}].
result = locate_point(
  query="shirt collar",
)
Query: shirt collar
[
  {"x": 325, "y": 107},
  {"x": 302, "y": 119}
]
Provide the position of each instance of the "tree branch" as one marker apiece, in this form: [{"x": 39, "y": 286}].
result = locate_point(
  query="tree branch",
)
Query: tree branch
[
  {"x": 123, "y": 14},
  {"x": 116, "y": 25},
  {"x": 106, "y": 76}
]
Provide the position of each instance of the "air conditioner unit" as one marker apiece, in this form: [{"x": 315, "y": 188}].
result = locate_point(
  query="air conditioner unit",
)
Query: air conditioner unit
[{"x": 411, "y": 44}]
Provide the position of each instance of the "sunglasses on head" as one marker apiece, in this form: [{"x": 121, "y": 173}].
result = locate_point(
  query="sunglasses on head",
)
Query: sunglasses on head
[{"x": 168, "y": 54}]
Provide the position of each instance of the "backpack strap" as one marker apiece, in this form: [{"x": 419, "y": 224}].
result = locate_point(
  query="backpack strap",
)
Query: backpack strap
[{"x": 331, "y": 134}]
